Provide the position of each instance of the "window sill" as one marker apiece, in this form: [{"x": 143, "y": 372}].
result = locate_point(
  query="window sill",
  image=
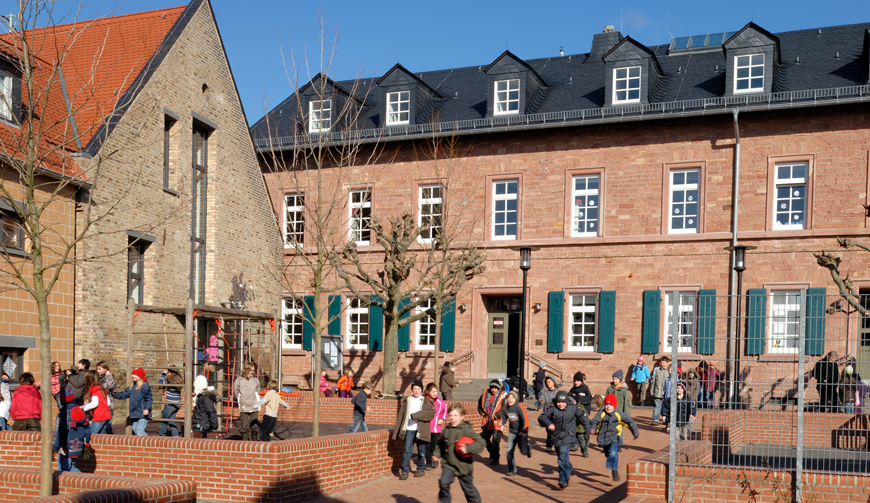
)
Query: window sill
[
  {"x": 359, "y": 352},
  {"x": 685, "y": 356},
  {"x": 171, "y": 192},
  {"x": 15, "y": 252},
  {"x": 579, "y": 355},
  {"x": 294, "y": 352},
  {"x": 424, "y": 353},
  {"x": 779, "y": 357}
]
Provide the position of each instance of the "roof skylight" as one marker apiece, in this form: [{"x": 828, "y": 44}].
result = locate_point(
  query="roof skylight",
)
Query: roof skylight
[{"x": 699, "y": 41}]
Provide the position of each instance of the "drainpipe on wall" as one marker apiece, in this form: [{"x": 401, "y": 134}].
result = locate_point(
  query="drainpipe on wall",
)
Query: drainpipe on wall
[{"x": 733, "y": 298}]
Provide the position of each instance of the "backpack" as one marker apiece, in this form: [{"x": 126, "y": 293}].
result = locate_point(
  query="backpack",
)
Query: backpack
[
  {"x": 580, "y": 427},
  {"x": 618, "y": 424}
]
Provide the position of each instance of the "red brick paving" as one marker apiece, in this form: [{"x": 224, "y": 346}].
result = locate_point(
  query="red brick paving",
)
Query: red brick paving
[{"x": 537, "y": 478}]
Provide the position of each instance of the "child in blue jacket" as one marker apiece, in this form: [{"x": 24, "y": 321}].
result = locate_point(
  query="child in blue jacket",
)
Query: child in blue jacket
[{"x": 139, "y": 394}]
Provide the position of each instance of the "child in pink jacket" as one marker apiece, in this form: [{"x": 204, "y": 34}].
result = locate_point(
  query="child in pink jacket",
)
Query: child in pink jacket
[
  {"x": 436, "y": 424},
  {"x": 324, "y": 386}
]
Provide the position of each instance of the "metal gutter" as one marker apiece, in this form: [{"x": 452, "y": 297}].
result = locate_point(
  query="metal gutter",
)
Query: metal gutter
[{"x": 733, "y": 299}]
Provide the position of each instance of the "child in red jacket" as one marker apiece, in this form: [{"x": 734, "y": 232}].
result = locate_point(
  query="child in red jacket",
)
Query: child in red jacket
[{"x": 26, "y": 410}]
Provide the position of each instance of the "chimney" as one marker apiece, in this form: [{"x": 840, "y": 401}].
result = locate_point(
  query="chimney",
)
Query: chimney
[{"x": 603, "y": 42}]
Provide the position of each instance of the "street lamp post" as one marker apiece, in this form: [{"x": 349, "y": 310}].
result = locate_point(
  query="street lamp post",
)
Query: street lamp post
[
  {"x": 525, "y": 265},
  {"x": 739, "y": 267}
]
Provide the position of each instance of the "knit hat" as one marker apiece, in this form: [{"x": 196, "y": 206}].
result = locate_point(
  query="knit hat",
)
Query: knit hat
[
  {"x": 494, "y": 384},
  {"x": 618, "y": 374},
  {"x": 77, "y": 415},
  {"x": 849, "y": 370},
  {"x": 640, "y": 359},
  {"x": 561, "y": 396},
  {"x": 418, "y": 383},
  {"x": 139, "y": 373},
  {"x": 446, "y": 364},
  {"x": 542, "y": 365},
  {"x": 199, "y": 384},
  {"x": 610, "y": 399},
  {"x": 681, "y": 384},
  {"x": 578, "y": 376},
  {"x": 68, "y": 395},
  {"x": 514, "y": 394},
  {"x": 712, "y": 364}
]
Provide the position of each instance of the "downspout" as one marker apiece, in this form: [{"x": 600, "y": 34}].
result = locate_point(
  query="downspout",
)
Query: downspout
[{"x": 733, "y": 297}]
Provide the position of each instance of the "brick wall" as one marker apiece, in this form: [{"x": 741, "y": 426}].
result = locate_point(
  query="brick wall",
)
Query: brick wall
[{"x": 21, "y": 484}]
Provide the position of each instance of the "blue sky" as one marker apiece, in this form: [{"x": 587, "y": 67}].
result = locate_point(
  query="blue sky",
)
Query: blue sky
[{"x": 423, "y": 36}]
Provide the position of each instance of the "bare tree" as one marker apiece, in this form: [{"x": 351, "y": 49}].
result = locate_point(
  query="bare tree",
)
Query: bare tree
[{"x": 844, "y": 284}]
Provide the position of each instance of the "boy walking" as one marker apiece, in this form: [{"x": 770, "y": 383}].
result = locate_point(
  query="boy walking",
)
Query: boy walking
[
  {"x": 623, "y": 400},
  {"x": 609, "y": 425},
  {"x": 246, "y": 389},
  {"x": 488, "y": 406},
  {"x": 640, "y": 375},
  {"x": 456, "y": 454},
  {"x": 518, "y": 430},
  {"x": 657, "y": 387},
  {"x": 360, "y": 403},
  {"x": 561, "y": 421},
  {"x": 685, "y": 413}
]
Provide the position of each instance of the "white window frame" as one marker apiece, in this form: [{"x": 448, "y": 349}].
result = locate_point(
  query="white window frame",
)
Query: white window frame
[
  {"x": 583, "y": 310},
  {"x": 358, "y": 224},
  {"x": 294, "y": 214},
  {"x": 394, "y": 108},
  {"x": 434, "y": 203},
  {"x": 684, "y": 188},
  {"x": 319, "y": 116},
  {"x": 749, "y": 78},
  {"x": 632, "y": 83},
  {"x": 577, "y": 210},
  {"x": 510, "y": 86},
  {"x": 296, "y": 316},
  {"x": 6, "y": 86},
  {"x": 429, "y": 323},
  {"x": 506, "y": 197},
  {"x": 688, "y": 313},
  {"x": 791, "y": 183},
  {"x": 781, "y": 316},
  {"x": 356, "y": 308}
]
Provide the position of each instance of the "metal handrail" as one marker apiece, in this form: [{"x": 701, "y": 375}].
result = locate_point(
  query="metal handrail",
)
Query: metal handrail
[
  {"x": 809, "y": 97},
  {"x": 464, "y": 357},
  {"x": 551, "y": 368}
]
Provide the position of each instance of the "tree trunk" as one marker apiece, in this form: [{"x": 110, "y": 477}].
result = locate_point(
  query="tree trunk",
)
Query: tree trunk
[
  {"x": 437, "y": 379},
  {"x": 45, "y": 469},
  {"x": 391, "y": 353}
]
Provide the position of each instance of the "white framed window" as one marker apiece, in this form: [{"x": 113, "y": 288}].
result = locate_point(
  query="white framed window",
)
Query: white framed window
[
  {"x": 791, "y": 196},
  {"x": 685, "y": 184},
  {"x": 319, "y": 116},
  {"x": 294, "y": 219},
  {"x": 398, "y": 107},
  {"x": 686, "y": 326},
  {"x": 11, "y": 231},
  {"x": 504, "y": 209},
  {"x": 582, "y": 310},
  {"x": 586, "y": 204},
  {"x": 426, "y": 327},
  {"x": 361, "y": 216},
  {"x": 785, "y": 317},
  {"x": 507, "y": 97},
  {"x": 749, "y": 73},
  {"x": 6, "y": 97},
  {"x": 357, "y": 324},
  {"x": 294, "y": 315},
  {"x": 626, "y": 84},
  {"x": 430, "y": 211}
]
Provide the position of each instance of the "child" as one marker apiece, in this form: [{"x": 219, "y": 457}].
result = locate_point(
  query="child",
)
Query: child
[
  {"x": 693, "y": 385},
  {"x": 580, "y": 392},
  {"x": 5, "y": 402},
  {"x": 561, "y": 422},
  {"x": 139, "y": 394},
  {"x": 708, "y": 385},
  {"x": 204, "y": 415},
  {"x": 360, "y": 403},
  {"x": 436, "y": 424},
  {"x": 57, "y": 378},
  {"x": 623, "y": 401},
  {"x": 517, "y": 422},
  {"x": 448, "y": 381},
  {"x": 272, "y": 400},
  {"x": 324, "y": 386},
  {"x": 246, "y": 389},
  {"x": 657, "y": 387},
  {"x": 489, "y": 404},
  {"x": 71, "y": 432},
  {"x": 609, "y": 424},
  {"x": 412, "y": 425},
  {"x": 345, "y": 384},
  {"x": 77, "y": 379},
  {"x": 26, "y": 405},
  {"x": 109, "y": 384},
  {"x": 97, "y": 402},
  {"x": 172, "y": 401},
  {"x": 685, "y": 412},
  {"x": 457, "y": 456},
  {"x": 640, "y": 375},
  {"x": 540, "y": 377}
]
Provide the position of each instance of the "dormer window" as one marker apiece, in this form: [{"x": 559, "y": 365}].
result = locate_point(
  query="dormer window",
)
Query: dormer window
[
  {"x": 749, "y": 74},
  {"x": 319, "y": 116},
  {"x": 626, "y": 85},
  {"x": 507, "y": 97},
  {"x": 398, "y": 108}
]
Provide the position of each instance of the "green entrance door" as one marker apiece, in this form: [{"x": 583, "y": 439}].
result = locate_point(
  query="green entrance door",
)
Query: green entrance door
[{"x": 496, "y": 354}]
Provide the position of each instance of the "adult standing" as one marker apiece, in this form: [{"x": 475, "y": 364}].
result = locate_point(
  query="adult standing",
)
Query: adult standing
[{"x": 826, "y": 373}]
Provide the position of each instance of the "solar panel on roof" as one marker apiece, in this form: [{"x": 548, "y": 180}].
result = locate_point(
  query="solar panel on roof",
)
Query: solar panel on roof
[{"x": 700, "y": 41}]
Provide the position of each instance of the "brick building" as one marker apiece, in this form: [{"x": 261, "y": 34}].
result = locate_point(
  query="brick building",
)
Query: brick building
[
  {"x": 620, "y": 166},
  {"x": 183, "y": 206}
]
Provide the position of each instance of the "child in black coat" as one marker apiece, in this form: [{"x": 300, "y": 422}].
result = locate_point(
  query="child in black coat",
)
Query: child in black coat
[
  {"x": 561, "y": 421},
  {"x": 685, "y": 412}
]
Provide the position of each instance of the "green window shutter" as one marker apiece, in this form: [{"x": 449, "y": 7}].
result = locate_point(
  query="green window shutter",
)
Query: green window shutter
[
  {"x": 815, "y": 336},
  {"x": 652, "y": 305},
  {"x": 307, "y": 326},
  {"x": 448, "y": 325},
  {"x": 376, "y": 326},
  {"x": 606, "y": 321},
  {"x": 334, "y": 313},
  {"x": 706, "y": 322},
  {"x": 555, "y": 322},
  {"x": 405, "y": 332},
  {"x": 756, "y": 321}
]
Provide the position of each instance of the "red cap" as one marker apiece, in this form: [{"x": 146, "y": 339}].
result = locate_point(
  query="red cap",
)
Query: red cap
[
  {"x": 140, "y": 373},
  {"x": 610, "y": 399}
]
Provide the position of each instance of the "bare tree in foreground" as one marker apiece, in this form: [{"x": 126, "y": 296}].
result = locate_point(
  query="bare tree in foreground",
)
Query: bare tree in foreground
[{"x": 844, "y": 284}]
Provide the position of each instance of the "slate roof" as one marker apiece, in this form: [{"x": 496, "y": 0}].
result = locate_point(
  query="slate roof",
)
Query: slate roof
[{"x": 830, "y": 58}]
